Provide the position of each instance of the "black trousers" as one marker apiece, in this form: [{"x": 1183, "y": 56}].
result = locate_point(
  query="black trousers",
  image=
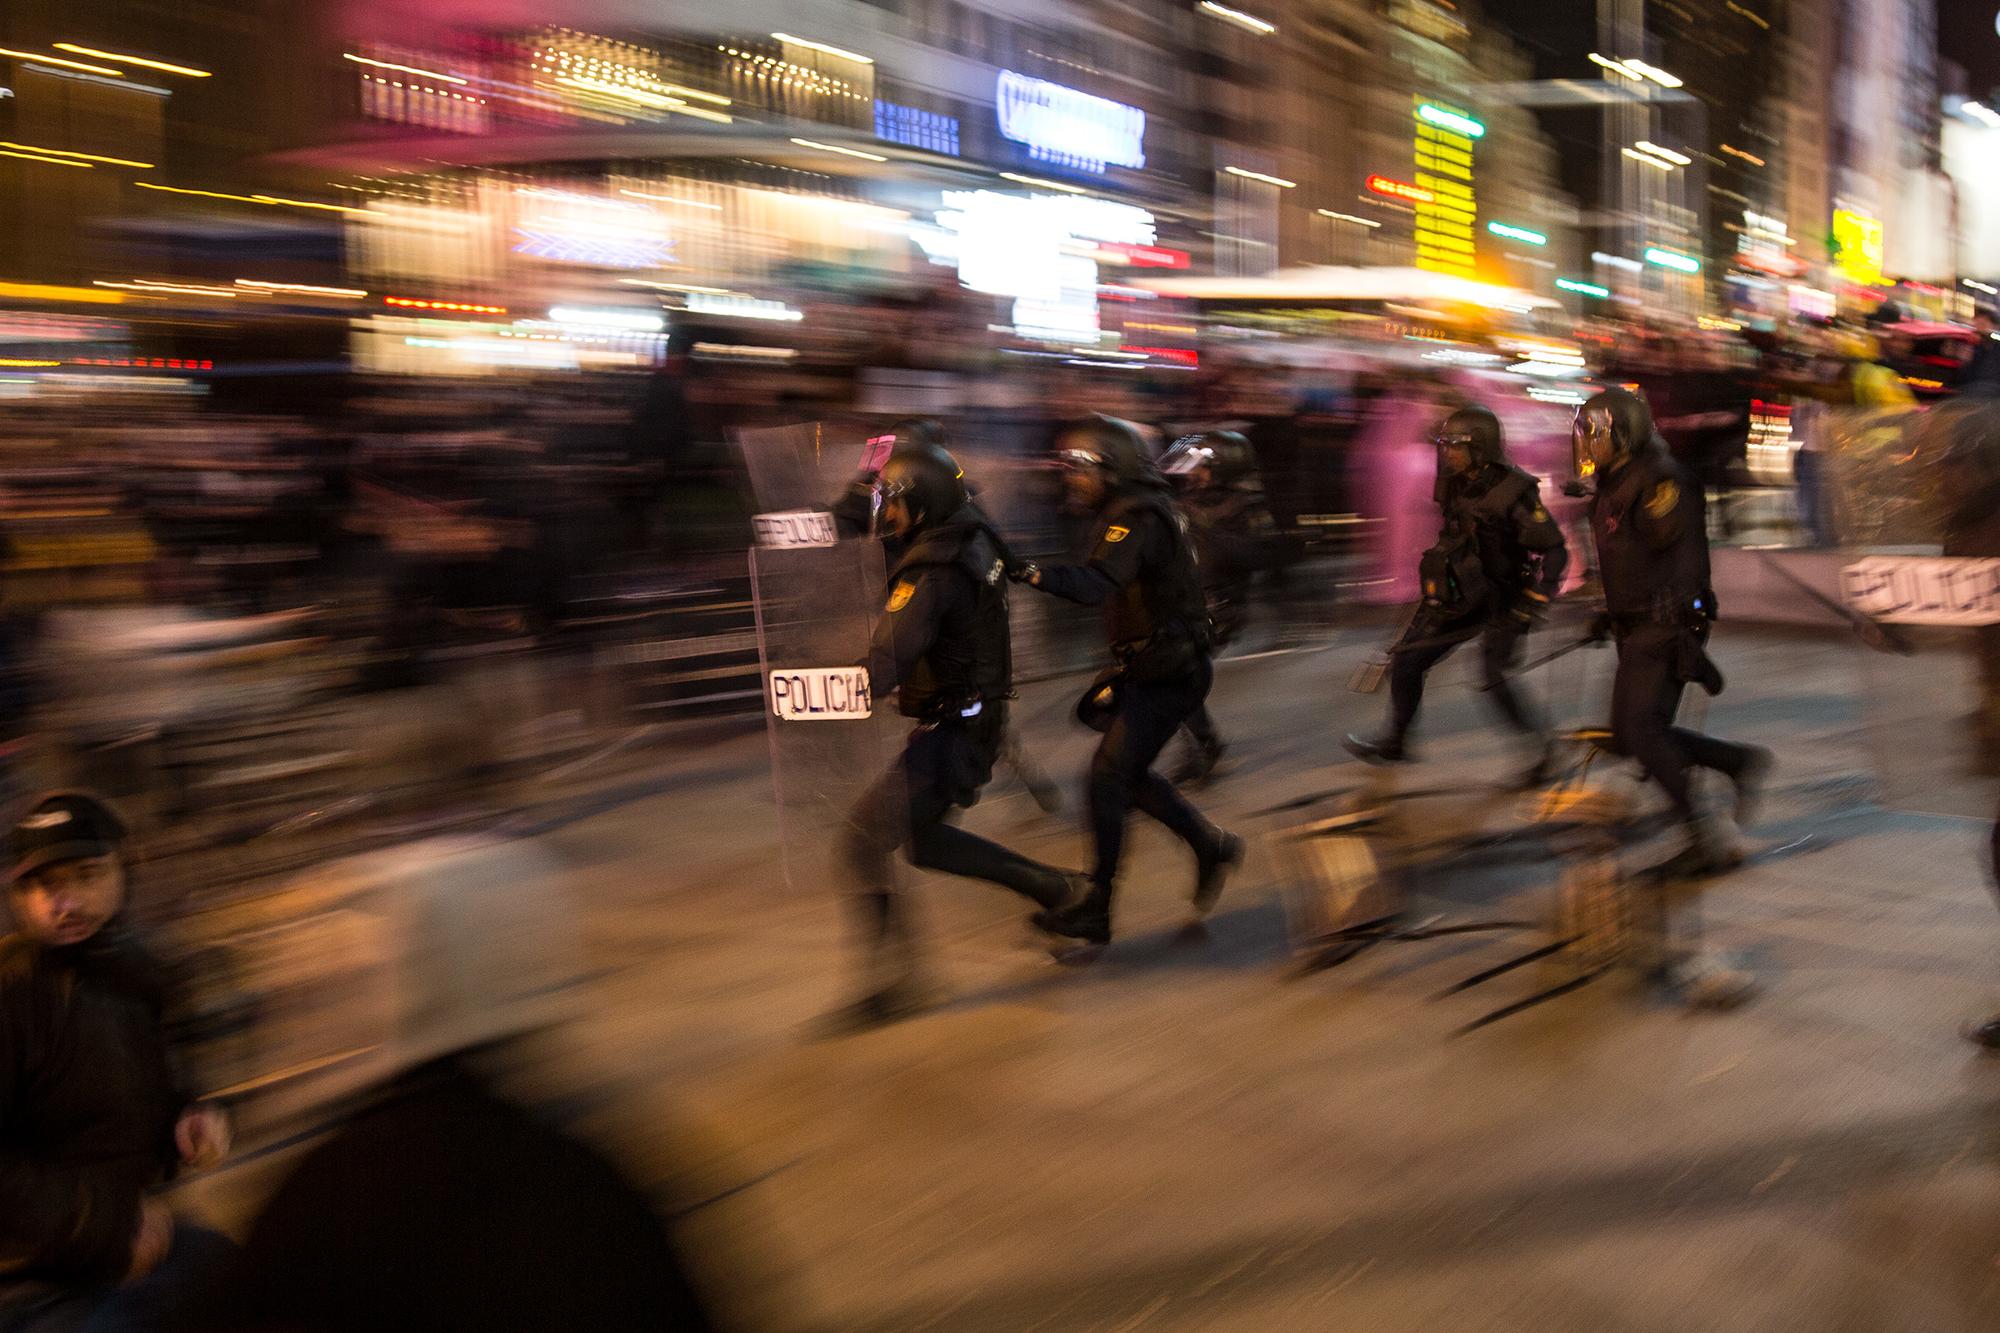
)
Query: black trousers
[
  {"x": 1500, "y": 638},
  {"x": 1645, "y": 696},
  {"x": 912, "y": 807},
  {"x": 1122, "y": 776}
]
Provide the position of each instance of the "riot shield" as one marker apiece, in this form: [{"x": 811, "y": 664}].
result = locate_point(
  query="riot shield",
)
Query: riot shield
[
  {"x": 816, "y": 596},
  {"x": 1912, "y": 498}
]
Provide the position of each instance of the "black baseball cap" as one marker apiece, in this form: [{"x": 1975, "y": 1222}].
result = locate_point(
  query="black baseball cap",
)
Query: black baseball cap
[{"x": 62, "y": 826}]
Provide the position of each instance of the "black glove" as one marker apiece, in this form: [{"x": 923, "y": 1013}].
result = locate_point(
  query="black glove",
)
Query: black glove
[
  {"x": 1600, "y": 628},
  {"x": 1025, "y": 571}
]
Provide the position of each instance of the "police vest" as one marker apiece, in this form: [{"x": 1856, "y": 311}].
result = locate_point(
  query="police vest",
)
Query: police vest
[
  {"x": 1166, "y": 600},
  {"x": 1482, "y": 518},
  {"x": 972, "y": 657},
  {"x": 1640, "y": 581}
]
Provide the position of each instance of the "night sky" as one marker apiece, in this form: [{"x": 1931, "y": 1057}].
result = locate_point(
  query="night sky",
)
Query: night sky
[{"x": 1966, "y": 37}]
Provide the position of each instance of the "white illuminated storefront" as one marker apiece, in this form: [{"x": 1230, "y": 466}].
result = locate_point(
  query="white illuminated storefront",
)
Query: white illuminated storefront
[
  {"x": 1043, "y": 250},
  {"x": 1068, "y": 127}
]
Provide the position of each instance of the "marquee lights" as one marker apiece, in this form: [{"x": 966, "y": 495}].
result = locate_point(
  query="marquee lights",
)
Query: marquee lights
[
  {"x": 1395, "y": 189},
  {"x": 1068, "y": 127},
  {"x": 1513, "y": 233},
  {"x": 1584, "y": 288},
  {"x": 1670, "y": 259},
  {"x": 1451, "y": 120}
]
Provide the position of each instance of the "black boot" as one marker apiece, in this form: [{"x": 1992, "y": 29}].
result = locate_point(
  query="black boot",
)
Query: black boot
[
  {"x": 1088, "y": 918},
  {"x": 1064, "y": 889},
  {"x": 1388, "y": 750},
  {"x": 1212, "y": 869},
  {"x": 1985, "y": 1035},
  {"x": 878, "y": 1008},
  {"x": 1750, "y": 782}
]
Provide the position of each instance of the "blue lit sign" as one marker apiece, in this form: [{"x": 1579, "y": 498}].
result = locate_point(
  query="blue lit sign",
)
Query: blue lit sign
[
  {"x": 1068, "y": 127},
  {"x": 917, "y": 129}
]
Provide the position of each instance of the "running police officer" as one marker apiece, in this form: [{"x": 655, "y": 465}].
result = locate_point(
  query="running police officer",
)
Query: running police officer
[
  {"x": 942, "y": 643},
  {"x": 1648, "y": 519},
  {"x": 1141, "y": 567},
  {"x": 1230, "y": 524},
  {"x": 1491, "y": 575}
]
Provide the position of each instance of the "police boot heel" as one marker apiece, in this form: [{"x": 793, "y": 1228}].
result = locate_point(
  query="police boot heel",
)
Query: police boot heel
[
  {"x": 1212, "y": 869},
  {"x": 1086, "y": 921},
  {"x": 1388, "y": 750}
]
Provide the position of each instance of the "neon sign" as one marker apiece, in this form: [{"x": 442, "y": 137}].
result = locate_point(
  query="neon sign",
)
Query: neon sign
[
  {"x": 1394, "y": 189},
  {"x": 1860, "y": 240},
  {"x": 1068, "y": 127},
  {"x": 1445, "y": 141},
  {"x": 916, "y": 128}
]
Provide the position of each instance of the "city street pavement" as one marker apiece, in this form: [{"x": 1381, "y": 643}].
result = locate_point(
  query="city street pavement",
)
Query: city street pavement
[{"x": 1189, "y": 1135}]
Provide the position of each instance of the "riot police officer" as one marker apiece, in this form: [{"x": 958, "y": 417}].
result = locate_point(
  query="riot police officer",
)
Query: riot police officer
[
  {"x": 1648, "y": 520},
  {"x": 1497, "y": 564},
  {"x": 942, "y": 643},
  {"x": 1141, "y": 568},
  {"x": 1230, "y": 524}
]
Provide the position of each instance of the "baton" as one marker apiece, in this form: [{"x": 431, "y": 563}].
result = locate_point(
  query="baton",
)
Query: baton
[
  {"x": 1367, "y": 677},
  {"x": 1547, "y": 658},
  {"x": 1872, "y": 632}
]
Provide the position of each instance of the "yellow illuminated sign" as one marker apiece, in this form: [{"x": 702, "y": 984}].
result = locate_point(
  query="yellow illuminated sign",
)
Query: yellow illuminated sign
[
  {"x": 40, "y": 291},
  {"x": 1860, "y": 240},
  {"x": 1445, "y": 140}
]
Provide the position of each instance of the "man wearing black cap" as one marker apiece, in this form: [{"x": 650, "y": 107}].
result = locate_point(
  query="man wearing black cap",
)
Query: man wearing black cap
[{"x": 92, "y": 1116}]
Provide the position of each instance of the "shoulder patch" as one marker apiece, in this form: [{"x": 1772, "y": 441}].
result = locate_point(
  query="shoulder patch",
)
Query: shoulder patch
[
  {"x": 1663, "y": 498},
  {"x": 1541, "y": 514},
  {"x": 1117, "y": 532},
  {"x": 900, "y": 595}
]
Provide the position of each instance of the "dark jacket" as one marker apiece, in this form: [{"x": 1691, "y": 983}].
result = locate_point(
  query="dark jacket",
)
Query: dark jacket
[
  {"x": 943, "y": 638},
  {"x": 88, "y": 1103},
  {"x": 1141, "y": 568},
  {"x": 1234, "y": 540},
  {"x": 1521, "y": 548},
  {"x": 1650, "y": 522}
]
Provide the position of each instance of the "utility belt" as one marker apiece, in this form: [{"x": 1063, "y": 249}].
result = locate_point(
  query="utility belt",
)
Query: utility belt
[
  {"x": 1686, "y": 620},
  {"x": 1174, "y": 651},
  {"x": 1683, "y": 611},
  {"x": 976, "y": 713}
]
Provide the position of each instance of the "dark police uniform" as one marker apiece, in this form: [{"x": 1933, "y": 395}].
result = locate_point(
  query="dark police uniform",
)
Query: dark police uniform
[
  {"x": 1499, "y": 553},
  {"x": 1232, "y": 531},
  {"x": 943, "y": 643},
  {"x": 1649, "y": 520},
  {"x": 1142, "y": 569}
]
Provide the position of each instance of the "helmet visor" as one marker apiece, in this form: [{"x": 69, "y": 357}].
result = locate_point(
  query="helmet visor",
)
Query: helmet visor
[
  {"x": 1186, "y": 455},
  {"x": 1593, "y": 440}
]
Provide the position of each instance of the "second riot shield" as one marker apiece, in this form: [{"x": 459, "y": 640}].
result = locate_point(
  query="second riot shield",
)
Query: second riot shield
[
  {"x": 1914, "y": 496},
  {"x": 816, "y": 594}
]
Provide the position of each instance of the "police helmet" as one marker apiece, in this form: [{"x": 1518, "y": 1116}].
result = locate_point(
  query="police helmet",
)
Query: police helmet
[
  {"x": 1611, "y": 426},
  {"x": 924, "y": 475},
  {"x": 1110, "y": 444},
  {"x": 1226, "y": 454},
  {"x": 1476, "y": 430}
]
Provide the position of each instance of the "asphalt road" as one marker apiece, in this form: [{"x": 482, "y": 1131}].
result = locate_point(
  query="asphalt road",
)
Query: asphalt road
[{"x": 1189, "y": 1135}]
